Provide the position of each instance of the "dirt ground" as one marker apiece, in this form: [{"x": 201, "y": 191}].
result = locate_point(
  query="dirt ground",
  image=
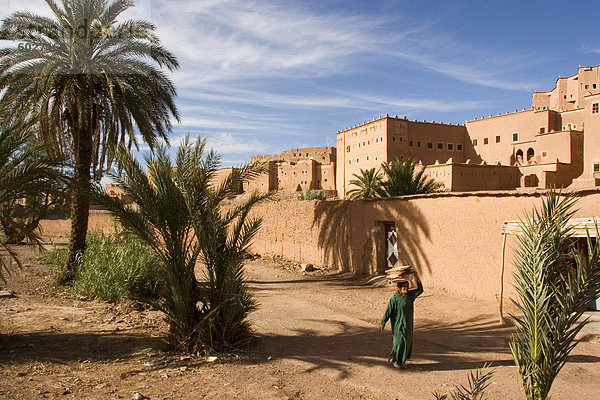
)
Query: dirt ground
[{"x": 317, "y": 338}]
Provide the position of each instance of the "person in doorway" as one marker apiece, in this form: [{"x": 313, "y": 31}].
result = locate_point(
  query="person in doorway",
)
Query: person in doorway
[{"x": 400, "y": 311}]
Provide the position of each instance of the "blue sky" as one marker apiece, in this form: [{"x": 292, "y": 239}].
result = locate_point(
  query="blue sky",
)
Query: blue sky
[{"x": 259, "y": 77}]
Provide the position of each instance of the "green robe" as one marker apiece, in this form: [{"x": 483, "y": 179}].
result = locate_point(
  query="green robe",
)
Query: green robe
[{"x": 400, "y": 311}]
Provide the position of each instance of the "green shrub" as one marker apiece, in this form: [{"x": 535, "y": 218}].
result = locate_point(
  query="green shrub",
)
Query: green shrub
[
  {"x": 309, "y": 194},
  {"x": 116, "y": 268},
  {"x": 113, "y": 268},
  {"x": 56, "y": 257}
]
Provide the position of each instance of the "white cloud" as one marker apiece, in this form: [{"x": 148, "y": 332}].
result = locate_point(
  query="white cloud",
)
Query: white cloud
[{"x": 227, "y": 143}]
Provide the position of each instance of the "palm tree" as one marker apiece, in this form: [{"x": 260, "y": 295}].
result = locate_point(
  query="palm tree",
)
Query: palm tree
[
  {"x": 555, "y": 284},
  {"x": 93, "y": 83},
  {"x": 402, "y": 178},
  {"x": 24, "y": 171},
  {"x": 181, "y": 217},
  {"x": 368, "y": 185}
]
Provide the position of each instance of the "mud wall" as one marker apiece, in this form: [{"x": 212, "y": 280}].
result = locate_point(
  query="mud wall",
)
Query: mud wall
[
  {"x": 454, "y": 239},
  {"x": 60, "y": 229}
]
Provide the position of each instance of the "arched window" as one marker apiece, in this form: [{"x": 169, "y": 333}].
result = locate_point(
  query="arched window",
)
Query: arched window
[
  {"x": 530, "y": 154},
  {"x": 520, "y": 156}
]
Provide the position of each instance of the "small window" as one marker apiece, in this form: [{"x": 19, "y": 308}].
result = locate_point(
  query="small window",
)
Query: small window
[
  {"x": 367, "y": 158},
  {"x": 376, "y": 140},
  {"x": 393, "y": 138},
  {"x": 411, "y": 143},
  {"x": 401, "y": 139},
  {"x": 418, "y": 144},
  {"x": 594, "y": 86},
  {"x": 349, "y": 161},
  {"x": 542, "y": 129},
  {"x": 596, "y": 167},
  {"x": 485, "y": 140},
  {"x": 459, "y": 147},
  {"x": 474, "y": 142},
  {"x": 368, "y": 142},
  {"x": 565, "y": 96},
  {"x": 587, "y": 86},
  {"x": 347, "y": 149},
  {"x": 515, "y": 137},
  {"x": 497, "y": 138},
  {"x": 429, "y": 145},
  {"x": 544, "y": 154},
  {"x": 595, "y": 108},
  {"x": 450, "y": 146},
  {"x": 358, "y": 160},
  {"x": 440, "y": 146},
  {"x": 381, "y": 139}
]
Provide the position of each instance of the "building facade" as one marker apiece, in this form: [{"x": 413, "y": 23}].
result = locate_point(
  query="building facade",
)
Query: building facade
[
  {"x": 297, "y": 169},
  {"x": 555, "y": 143}
]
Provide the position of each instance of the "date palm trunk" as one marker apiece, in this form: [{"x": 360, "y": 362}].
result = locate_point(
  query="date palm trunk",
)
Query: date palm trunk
[{"x": 80, "y": 201}]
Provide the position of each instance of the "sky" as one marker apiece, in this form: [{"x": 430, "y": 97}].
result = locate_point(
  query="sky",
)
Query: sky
[{"x": 263, "y": 76}]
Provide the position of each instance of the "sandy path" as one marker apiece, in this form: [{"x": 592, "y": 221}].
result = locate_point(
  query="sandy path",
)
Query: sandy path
[{"x": 317, "y": 339}]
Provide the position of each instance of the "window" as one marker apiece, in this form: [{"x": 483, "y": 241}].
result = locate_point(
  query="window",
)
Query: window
[
  {"x": 401, "y": 139},
  {"x": 587, "y": 86},
  {"x": 459, "y": 147},
  {"x": 594, "y": 86},
  {"x": 565, "y": 96},
  {"x": 542, "y": 129},
  {"x": 595, "y": 108},
  {"x": 376, "y": 140},
  {"x": 440, "y": 146},
  {"x": 485, "y": 140},
  {"x": 515, "y": 137},
  {"x": 393, "y": 138},
  {"x": 474, "y": 142},
  {"x": 418, "y": 144},
  {"x": 596, "y": 167},
  {"x": 367, "y": 158},
  {"x": 497, "y": 138},
  {"x": 347, "y": 149},
  {"x": 349, "y": 161},
  {"x": 358, "y": 160},
  {"x": 450, "y": 146},
  {"x": 544, "y": 154},
  {"x": 411, "y": 143},
  {"x": 429, "y": 145}
]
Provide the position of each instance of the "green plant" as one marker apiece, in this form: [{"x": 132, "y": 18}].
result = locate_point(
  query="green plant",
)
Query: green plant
[
  {"x": 402, "y": 178},
  {"x": 478, "y": 382},
  {"x": 182, "y": 219},
  {"x": 310, "y": 194},
  {"x": 114, "y": 268},
  {"x": 368, "y": 185},
  {"x": 93, "y": 83},
  {"x": 56, "y": 257},
  {"x": 25, "y": 171},
  {"x": 555, "y": 284},
  {"x": 117, "y": 267}
]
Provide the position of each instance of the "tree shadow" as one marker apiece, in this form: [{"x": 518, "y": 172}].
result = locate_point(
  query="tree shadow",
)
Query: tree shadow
[
  {"x": 352, "y": 234},
  {"x": 465, "y": 345},
  {"x": 63, "y": 348}
]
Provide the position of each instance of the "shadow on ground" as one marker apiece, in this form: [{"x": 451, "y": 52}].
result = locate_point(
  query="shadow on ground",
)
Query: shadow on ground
[
  {"x": 437, "y": 347},
  {"x": 68, "y": 347}
]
